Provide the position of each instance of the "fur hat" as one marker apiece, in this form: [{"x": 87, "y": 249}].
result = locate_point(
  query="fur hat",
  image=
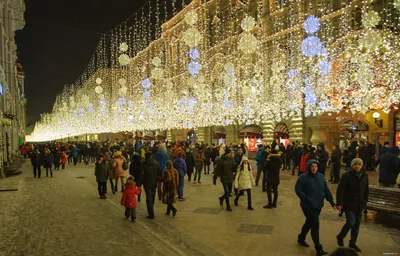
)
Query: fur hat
[{"x": 356, "y": 161}]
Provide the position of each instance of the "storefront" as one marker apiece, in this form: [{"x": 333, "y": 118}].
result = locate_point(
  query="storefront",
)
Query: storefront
[
  {"x": 281, "y": 133},
  {"x": 252, "y": 136},
  {"x": 220, "y": 136}
]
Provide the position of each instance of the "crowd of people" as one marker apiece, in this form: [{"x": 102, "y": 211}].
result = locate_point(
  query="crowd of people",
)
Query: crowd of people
[{"x": 160, "y": 169}]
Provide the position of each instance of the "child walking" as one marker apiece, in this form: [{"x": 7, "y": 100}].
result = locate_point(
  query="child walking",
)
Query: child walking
[
  {"x": 63, "y": 159},
  {"x": 101, "y": 172},
  {"x": 129, "y": 198}
]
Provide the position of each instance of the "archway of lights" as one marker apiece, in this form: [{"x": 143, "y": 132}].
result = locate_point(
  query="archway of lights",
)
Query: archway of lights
[{"x": 219, "y": 62}]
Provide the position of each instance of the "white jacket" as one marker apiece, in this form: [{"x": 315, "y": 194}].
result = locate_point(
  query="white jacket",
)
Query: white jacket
[{"x": 244, "y": 179}]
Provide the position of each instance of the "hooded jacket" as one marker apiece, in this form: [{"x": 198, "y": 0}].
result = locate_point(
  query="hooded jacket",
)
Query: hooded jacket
[
  {"x": 180, "y": 166},
  {"x": 129, "y": 195},
  {"x": 389, "y": 166},
  {"x": 260, "y": 162},
  {"x": 162, "y": 157},
  {"x": 322, "y": 156},
  {"x": 244, "y": 177},
  {"x": 312, "y": 189},
  {"x": 224, "y": 169}
]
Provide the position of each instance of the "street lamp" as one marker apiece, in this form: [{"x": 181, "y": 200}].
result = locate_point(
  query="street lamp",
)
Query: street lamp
[{"x": 378, "y": 122}]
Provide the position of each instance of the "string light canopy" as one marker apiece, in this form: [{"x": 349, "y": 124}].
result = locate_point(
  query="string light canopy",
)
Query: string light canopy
[{"x": 175, "y": 64}]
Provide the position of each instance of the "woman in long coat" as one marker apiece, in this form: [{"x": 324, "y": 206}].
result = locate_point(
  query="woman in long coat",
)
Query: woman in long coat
[
  {"x": 244, "y": 180},
  {"x": 119, "y": 172},
  {"x": 189, "y": 163},
  {"x": 170, "y": 181},
  {"x": 273, "y": 167}
]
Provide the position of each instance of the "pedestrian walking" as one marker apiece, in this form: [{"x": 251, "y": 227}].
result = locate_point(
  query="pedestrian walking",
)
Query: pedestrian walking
[
  {"x": 224, "y": 169},
  {"x": 151, "y": 174},
  {"x": 63, "y": 159},
  {"x": 161, "y": 157},
  {"x": 128, "y": 199},
  {"x": 352, "y": 198},
  {"x": 244, "y": 181},
  {"x": 260, "y": 162},
  {"x": 170, "y": 180},
  {"x": 136, "y": 171},
  {"x": 180, "y": 166},
  {"x": 37, "y": 162},
  {"x": 389, "y": 167},
  {"x": 335, "y": 162},
  {"x": 57, "y": 159},
  {"x": 189, "y": 163},
  {"x": 198, "y": 164},
  {"x": 322, "y": 157},
  {"x": 119, "y": 170},
  {"x": 101, "y": 172},
  {"x": 312, "y": 189},
  {"x": 272, "y": 167},
  {"x": 48, "y": 162},
  {"x": 207, "y": 159}
]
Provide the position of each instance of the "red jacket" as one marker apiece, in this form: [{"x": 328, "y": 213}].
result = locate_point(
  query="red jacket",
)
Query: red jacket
[
  {"x": 129, "y": 196},
  {"x": 24, "y": 150},
  {"x": 303, "y": 163},
  {"x": 63, "y": 157}
]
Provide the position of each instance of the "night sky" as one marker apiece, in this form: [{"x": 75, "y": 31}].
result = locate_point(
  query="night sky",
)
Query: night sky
[{"x": 58, "y": 40}]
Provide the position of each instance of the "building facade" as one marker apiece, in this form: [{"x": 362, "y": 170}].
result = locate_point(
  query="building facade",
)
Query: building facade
[{"x": 13, "y": 103}]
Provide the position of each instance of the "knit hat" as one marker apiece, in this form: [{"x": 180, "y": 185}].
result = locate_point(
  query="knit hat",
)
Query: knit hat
[{"x": 356, "y": 161}]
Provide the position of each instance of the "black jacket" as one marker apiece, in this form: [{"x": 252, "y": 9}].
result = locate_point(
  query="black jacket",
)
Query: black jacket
[
  {"x": 135, "y": 169},
  {"x": 225, "y": 168},
  {"x": 189, "y": 162},
  {"x": 273, "y": 167},
  {"x": 151, "y": 173},
  {"x": 322, "y": 156},
  {"x": 352, "y": 191},
  {"x": 389, "y": 166},
  {"x": 37, "y": 158},
  {"x": 335, "y": 157}
]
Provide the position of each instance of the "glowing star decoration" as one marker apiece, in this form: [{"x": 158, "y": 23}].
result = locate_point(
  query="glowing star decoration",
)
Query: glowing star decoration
[
  {"x": 248, "y": 43},
  {"x": 292, "y": 73},
  {"x": 124, "y": 60},
  {"x": 122, "y": 81},
  {"x": 192, "y": 37},
  {"x": 248, "y": 24},
  {"x": 324, "y": 67},
  {"x": 123, "y": 47},
  {"x": 99, "y": 81},
  {"x": 146, "y": 83},
  {"x": 157, "y": 73},
  {"x": 311, "y": 46},
  {"x": 146, "y": 94},
  {"x": 371, "y": 19},
  {"x": 194, "y": 68},
  {"x": 156, "y": 61},
  {"x": 194, "y": 54},
  {"x": 312, "y": 25},
  {"x": 191, "y": 18}
]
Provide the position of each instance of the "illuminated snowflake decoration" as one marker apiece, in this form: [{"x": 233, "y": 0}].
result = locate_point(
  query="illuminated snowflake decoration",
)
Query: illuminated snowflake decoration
[
  {"x": 157, "y": 73},
  {"x": 124, "y": 60},
  {"x": 248, "y": 43},
  {"x": 122, "y": 81},
  {"x": 146, "y": 94},
  {"x": 146, "y": 83},
  {"x": 324, "y": 67},
  {"x": 191, "y": 18},
  {"x": 123, "y": 47},
  {"x": 156, "y": 61},
  {"x": 194, "y": 54},
  {"x": 312, "y": 25},
  {"x": 99, "y": 81},
  {"x": 292, "y": 73},
  {"x": 248, "y": 23},
  {"x": 192, "y": 37},
  {"x": 371, "y": 19},
  {"x": 194, "y": 68},
  {"x": 311, "y": 46}
]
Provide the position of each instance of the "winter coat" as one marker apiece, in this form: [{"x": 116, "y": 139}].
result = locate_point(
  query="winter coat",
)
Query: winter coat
[
  {"x": 224, "y": 169},
  {"x": 36, "y": 158},
  {"x": 312, "y": 189},
  {"x": 135, "y": 169},
  {"x": 322, "y": 156},
  {"x": 63, "y": 158},
  {"x": 244, "y": 177},
  {"x": 352, "y": 153},
  {"x": 214, "y": 154},
  {"x": 117, "y": 166},
  {"x": 297, "y": 153},
  {"x": 170, "y": 180},
  {"x": 273, "y": 167},
  {"x": 47, "y": 160},
  {"x": 151, "y": 173},
  {"x": 198, "y": 158},
  {"x": 352, "y": 191},
  {"x": 101, "y": 171},
  {"x": 389, "y": 166},
  {"x": 189, "y": 162},
  {"x": 366, "y": 153},
  {"x": 259, "y": 160},
  {"x": 238, "y": 159},
  {"x": 129, "y": 195},
  {"x": 161, "y": 157},
  {"x": 303, "y": 163},
  {"x": 74, "y": 152},
  {"x": 24, "y": 150},
  {"x": 207, "y": 156},
  {"x": 57, "y": 158},
  {"x": 335, "y": 157},
  {"x": 180, "y": 166}
]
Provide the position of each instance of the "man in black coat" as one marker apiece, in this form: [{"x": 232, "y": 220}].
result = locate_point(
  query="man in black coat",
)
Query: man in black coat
[
  {"x": 37, "y": 161},
  {"x": 352, "y": 198},
  {"x": 151, "y": 174},
  {"x": 225, "y": 166},
  {"x": 389, "y": 168},
  {"x": 272, "y": 169}
]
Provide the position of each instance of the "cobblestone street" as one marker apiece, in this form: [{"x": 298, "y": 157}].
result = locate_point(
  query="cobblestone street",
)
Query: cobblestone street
[{"x": 63, "y": 216}]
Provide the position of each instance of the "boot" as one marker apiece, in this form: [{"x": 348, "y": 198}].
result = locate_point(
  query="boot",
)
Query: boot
[
  {"x": 321, "y": 252},
  {"x": 115, "y": 188},
  {"x": 301, "y": 241},
  {"x": 249, "y": 200},
  {"x": 221, "y": 201},
  {"x": 236, "y": 199}
]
